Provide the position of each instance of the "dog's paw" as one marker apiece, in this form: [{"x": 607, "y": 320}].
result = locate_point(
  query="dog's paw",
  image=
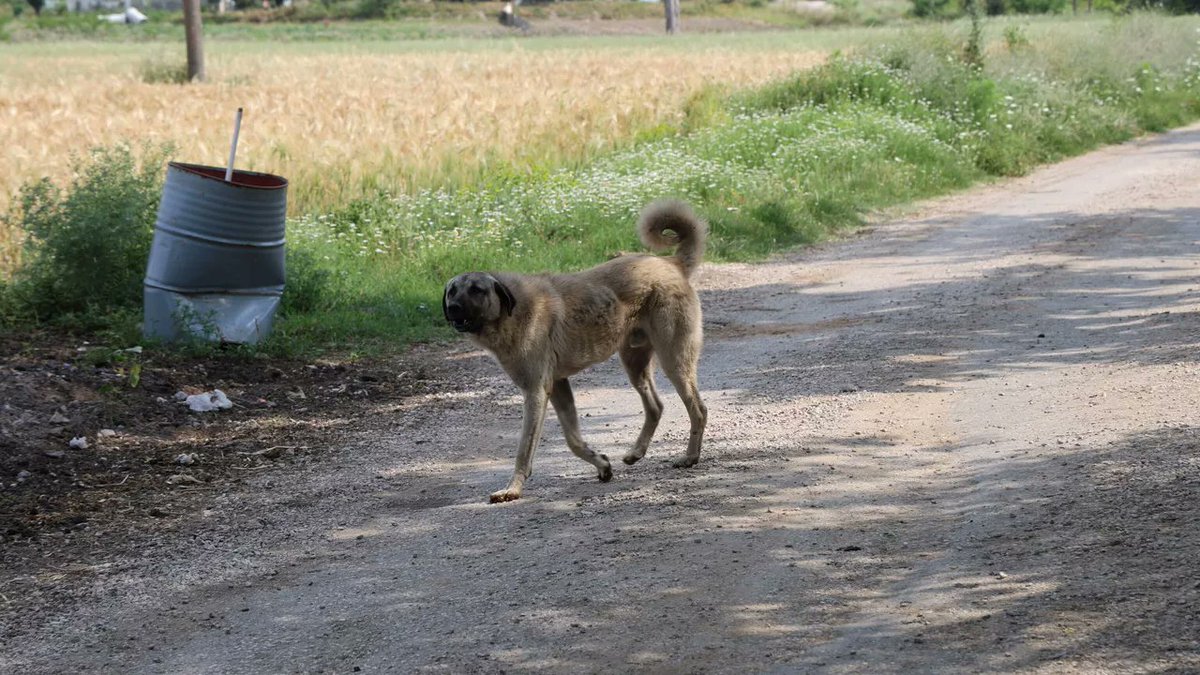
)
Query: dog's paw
[
  {"x": 630, "y": 458},
  {"x": 505, "y": 495},
  {"x": 605, "y": 472},
  {"x": 684, "y": 462}
]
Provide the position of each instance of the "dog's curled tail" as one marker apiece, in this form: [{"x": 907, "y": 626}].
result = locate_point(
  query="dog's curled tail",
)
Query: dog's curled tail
[{"x": 689, "y": 231}]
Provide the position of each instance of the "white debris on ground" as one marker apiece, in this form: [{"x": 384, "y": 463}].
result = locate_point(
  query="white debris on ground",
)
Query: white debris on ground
[
  {"x": 79, "y": 442},
  {"x": 186, "y": 459},
  {"x": 206, "y": 402}
]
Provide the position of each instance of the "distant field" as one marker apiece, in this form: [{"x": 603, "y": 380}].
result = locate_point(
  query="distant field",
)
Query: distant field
[{"x": 342, "y": 119}]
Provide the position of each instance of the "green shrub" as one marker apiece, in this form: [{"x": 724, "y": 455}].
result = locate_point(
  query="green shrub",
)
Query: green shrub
[
  {"x": 1015, "y": 38},
  {"x": 85, "y": 250}
]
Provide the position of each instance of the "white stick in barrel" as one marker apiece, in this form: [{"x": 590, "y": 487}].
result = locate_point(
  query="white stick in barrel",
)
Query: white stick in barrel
[{"x": 237, "y": 127}]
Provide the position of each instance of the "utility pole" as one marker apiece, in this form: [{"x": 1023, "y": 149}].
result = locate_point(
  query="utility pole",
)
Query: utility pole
[
  {"x": 195, "y": 40},
  {"x": 672, "y": 9}
]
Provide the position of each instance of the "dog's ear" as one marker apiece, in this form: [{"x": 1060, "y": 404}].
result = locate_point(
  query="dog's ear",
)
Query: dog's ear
[
  {"x": 445, "y": 310},
  {"x": 507, "y": 302}
]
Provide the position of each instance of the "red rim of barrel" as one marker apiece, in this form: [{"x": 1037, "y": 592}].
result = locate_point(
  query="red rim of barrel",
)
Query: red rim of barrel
[{"x": 246, "y": 179}]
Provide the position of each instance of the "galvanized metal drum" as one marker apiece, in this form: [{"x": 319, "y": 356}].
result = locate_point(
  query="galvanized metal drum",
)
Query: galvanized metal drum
[{"x": 216, "y": 267}]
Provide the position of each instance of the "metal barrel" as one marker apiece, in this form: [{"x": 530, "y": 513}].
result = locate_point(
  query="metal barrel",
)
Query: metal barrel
[{"x": 216, "y": 266}]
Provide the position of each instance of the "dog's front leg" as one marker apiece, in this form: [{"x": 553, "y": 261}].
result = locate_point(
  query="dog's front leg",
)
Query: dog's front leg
[{"x": 531, "y": 434}]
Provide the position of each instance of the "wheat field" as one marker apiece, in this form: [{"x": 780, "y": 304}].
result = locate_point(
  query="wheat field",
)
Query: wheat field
[{"x": 340, "y": 120}]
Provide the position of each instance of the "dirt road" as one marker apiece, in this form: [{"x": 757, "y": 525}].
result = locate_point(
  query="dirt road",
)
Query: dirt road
[{"x": 964, "y": 441}]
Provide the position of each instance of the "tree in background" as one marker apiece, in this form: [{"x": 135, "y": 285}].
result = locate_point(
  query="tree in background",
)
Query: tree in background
[
  {"x": 973, "y": 52},
  {"x": 194, "y": 40},
  {"x": 671, "y": 7},
  {"x": 37, "y": 6}
]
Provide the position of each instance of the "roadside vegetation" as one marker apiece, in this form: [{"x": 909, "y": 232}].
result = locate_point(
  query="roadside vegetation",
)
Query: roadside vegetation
[
  {"x": 783, "y": 165},
  {"x": 771, "y": 167}
]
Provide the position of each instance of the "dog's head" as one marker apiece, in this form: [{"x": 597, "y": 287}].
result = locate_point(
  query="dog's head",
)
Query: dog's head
[{"x": 473, "y": 300}]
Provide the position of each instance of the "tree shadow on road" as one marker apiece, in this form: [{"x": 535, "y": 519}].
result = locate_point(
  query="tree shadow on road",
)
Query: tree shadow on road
[
  {"x": 1074, "y": 305},
  {"x": 1095, "y": 567}
]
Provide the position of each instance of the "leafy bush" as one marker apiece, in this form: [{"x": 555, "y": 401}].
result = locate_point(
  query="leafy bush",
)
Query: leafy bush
[
  {"x": 85, "y": 250},
  {"x": 1015, "y": 38}
]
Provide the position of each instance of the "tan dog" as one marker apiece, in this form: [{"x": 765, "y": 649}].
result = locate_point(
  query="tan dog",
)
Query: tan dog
[{"x": 545, "y": 328}]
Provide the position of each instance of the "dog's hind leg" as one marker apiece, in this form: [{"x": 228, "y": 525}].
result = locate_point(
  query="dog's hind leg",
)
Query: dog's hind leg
[
  {"x": 639, "y": 365},
  {"x": 531, "y": 433},
  {"x": 568, "y": 418},
  {"x": 680, "y": 367}
]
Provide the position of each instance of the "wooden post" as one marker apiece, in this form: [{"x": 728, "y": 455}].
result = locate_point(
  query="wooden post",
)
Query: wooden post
[
  {"x": 195, "y": 40},
  {"x": 672, "y": 9}
]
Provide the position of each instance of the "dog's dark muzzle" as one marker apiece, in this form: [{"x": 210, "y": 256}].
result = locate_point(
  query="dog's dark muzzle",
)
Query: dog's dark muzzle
[{"x": 460, "y": 320}]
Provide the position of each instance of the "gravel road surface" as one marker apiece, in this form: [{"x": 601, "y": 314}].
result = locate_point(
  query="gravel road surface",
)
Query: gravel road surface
[{"x": 963, "y": 440}]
